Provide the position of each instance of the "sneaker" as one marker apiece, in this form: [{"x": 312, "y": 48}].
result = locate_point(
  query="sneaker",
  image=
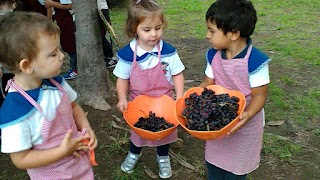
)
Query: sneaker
[
  {"x": 130, "y": 162},
  {"x": 71, "y": 74},
  {"x": 165, "y": 171},
  {"x": 111, "y": 62}
]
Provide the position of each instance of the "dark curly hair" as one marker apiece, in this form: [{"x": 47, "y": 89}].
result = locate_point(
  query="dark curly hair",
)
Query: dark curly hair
[{"x": 233, "y": 16}]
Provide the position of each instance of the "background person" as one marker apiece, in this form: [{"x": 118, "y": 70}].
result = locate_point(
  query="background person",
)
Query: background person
[
  {"x": 68, "y": 39},
  {"x": 110, "y": 60}
]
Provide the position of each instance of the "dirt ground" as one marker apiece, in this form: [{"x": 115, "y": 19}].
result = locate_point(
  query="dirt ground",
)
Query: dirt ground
[{"x": 188, "y": 153}]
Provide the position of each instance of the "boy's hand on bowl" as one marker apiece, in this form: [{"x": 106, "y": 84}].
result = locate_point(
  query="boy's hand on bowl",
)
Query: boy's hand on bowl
[{"x": 244, "y": 117}]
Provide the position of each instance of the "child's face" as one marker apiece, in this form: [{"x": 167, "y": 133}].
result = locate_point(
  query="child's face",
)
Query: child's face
[
  {"x": 49, "y": 60},
  {"x": 216, "y": 37},
  {"x": 149, "y": 32}
]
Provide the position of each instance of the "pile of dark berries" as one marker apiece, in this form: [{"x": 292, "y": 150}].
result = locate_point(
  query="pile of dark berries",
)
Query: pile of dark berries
[
  {"x": 208, "y": 111},
  {"x": 153, "y": 123}
]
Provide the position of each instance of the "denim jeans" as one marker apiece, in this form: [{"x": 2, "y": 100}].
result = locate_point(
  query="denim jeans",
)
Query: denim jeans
[
  {"x": 216, "y": 173},
  {"x": 73, "y": 61}
]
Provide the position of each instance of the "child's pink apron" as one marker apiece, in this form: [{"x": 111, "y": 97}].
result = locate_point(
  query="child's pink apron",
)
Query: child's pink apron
[
  {"x": 150, "y": 82},
  {"x": 70, "y": 167},
  {"x": 239, "y": 153}
]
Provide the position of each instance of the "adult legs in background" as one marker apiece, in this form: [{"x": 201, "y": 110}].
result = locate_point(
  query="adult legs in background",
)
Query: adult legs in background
[
  {"x": 109, "y": 58},
  {"x": 68, "y": 40},
  {"x": 73, "y": 61}
]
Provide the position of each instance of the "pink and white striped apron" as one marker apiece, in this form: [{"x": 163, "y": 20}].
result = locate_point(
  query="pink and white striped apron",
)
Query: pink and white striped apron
[
  {"x": 150, "y": 82},
  {"x": 239, "y": 153},
  {"x": 70, "y": 167}
]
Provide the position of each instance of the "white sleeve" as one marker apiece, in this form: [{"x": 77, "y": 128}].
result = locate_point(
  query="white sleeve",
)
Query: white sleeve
[
  {"x": 176, "y": 66},
  {"x": 65, "y": 2},
  {"x": 41, "y": 2},
  {"x": 208, "y": 72},
  {"x": 72, "y": 94},
  {"x": 16, "y": 137},
  {"x": 260, "y": 78},
  {"x": 122, "y": 70},
  {"x": 102, "y": 4}
]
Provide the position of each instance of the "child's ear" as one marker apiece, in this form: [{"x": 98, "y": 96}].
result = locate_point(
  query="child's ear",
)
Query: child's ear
[
  {"x": 235, "y": 35},
  {"x": 25, "y": 66}
]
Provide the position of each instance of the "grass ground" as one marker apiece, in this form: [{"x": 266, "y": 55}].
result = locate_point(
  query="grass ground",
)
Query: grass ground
[{"x": 288, "y": 32}]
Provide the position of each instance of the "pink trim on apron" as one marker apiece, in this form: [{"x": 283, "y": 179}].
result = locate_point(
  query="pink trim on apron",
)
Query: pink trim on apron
[
  {"x": 150, "y": 82},
  {"x": 53, "y": 132},
  {"x": 239, "y": 153}
]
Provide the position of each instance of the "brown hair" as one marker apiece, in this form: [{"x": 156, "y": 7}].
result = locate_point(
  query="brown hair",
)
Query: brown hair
[
  {"x": 139, "y": 11},
  {"x": 19, "y": 34}
]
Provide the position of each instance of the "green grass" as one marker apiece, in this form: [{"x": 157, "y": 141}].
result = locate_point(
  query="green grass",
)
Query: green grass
[
  {"x": 188, "y": 17},
  {"x": 306, "y": 108},
  {"x": 276, "y": 97},
  {"x": 137, "y": 174},
  {"x": 117, "y": 146},
  {"x": 294, "y": 24},
  {"x": 277, "y": 146}
]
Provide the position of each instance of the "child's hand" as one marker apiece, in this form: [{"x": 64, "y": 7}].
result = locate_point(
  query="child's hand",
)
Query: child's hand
[
  {"x": 244, "y": 117},
  {"x": 122, "y": 105},
  {"x": 71, "y": 145},
  {"x": 92, "y": 145},
  {"x": 93, "y": 142},
  {"x": 47, "y": 3}
]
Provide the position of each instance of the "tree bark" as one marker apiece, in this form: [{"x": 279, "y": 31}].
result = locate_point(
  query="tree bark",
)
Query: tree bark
[{"x": 92, "y": 83}]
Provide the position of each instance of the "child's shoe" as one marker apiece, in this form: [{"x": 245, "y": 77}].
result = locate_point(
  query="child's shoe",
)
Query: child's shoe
[
  {"x": 130, "y": 162},
  {"x": 71, "y": 74},
  {"x": 111, "y": 62},
  {"x": 165, "y": 171}
]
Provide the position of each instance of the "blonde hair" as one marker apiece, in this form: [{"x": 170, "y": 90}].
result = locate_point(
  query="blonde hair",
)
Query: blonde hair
[{"x": 139, "y": 11}]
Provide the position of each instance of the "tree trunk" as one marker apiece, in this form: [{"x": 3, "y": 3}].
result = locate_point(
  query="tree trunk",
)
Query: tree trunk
[{"x": 92, "y": 83}]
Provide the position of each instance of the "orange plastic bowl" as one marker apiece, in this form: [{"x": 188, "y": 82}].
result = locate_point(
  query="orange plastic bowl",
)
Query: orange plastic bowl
[
  {"x": 141, "y": 106},
  {"x": 209, "y": 135}
]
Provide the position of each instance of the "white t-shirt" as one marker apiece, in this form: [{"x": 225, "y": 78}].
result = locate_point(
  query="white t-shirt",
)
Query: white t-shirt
[
  {"x": 65, "y": 1},
  {"x": 61, "y": 2},
  {"x": 41, "y": 2},
  {"x": 102, "y": 4},
  {"x": 27, "y": 133},
  {"x": 172, "y": 64}
]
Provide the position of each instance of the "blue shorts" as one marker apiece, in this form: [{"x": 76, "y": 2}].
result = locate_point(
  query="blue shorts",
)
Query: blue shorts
[{"x": 216, "y": 173}]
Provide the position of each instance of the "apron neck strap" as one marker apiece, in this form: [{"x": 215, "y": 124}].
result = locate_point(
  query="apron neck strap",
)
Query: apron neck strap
[
  {"x": 249, "y": 51},
  {"x": 56, "y": 84},
  {"x": 12, "y": 84}
]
